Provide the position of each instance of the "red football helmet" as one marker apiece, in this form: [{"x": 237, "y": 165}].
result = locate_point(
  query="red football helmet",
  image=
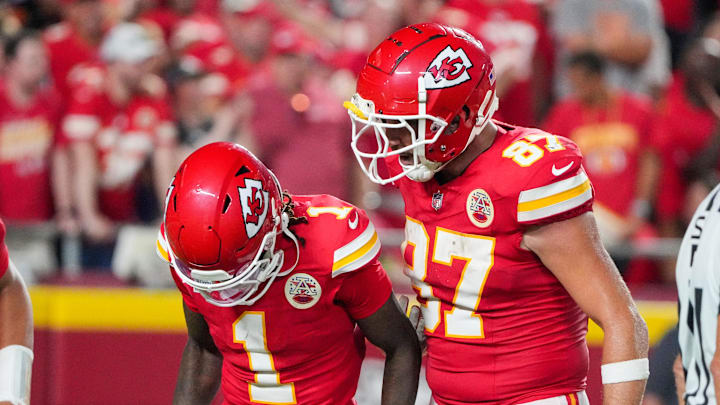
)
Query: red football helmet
[
  {"x": 223, "y": 213},
  {"x": 438, "y": 75}
]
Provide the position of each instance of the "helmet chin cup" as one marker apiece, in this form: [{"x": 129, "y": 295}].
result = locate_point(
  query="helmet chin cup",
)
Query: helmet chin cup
[
  {"x": 421, "y": 174},
  {"x": 423, "y": 171}
]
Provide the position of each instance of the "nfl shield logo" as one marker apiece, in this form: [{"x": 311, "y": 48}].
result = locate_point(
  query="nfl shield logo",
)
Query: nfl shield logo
[{"x": 437, "y": 200}]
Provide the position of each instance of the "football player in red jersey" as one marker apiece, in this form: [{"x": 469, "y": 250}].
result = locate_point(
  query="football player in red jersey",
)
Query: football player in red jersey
[
  {"x": 273, "y": 286},
  {"x": 16, "y": 332},
  {"x": 501, "y": 245}
]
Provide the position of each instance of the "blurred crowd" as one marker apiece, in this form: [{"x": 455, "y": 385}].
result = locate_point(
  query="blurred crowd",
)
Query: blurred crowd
[{"x": 100, "y": 100}]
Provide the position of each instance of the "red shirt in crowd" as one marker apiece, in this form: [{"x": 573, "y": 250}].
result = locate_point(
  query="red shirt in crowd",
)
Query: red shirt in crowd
[
  {"x": 66, "y": 49},
  {"x": 123, "y": 135},
  {"x": 678, "y": 14},
  {"x": 203, "y": 38},
  {"x": 681, "y": 130},
  {"x": 611, "y": 140},
  {"x": 27, "y": 136}
]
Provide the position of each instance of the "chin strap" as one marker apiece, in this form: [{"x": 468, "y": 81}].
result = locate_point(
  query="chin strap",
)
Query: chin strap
[
  {"x": 280, "y": 260},
  {"x": 286, "y": 231}
]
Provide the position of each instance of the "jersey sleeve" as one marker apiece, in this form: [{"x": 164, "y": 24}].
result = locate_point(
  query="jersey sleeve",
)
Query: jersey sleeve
[
  {"x": 364, "y": 291},
  {"x": 4, "y": 257},
  {"x": 558, "y": 187},
  {"x": 358, "y": 245}
]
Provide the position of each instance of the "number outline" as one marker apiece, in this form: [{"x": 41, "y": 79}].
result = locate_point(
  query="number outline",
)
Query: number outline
[
  {"x": 518, "y": 150},
  {"x": 432, "y": 308},
  {"x": 271, "y": 360},
  {"x": 432, "y": 300},
  {"x": 474, "y": 313},
  {"x": 339, "y": 212}
]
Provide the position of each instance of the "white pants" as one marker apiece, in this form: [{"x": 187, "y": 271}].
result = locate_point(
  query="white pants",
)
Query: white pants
[{"x": 579, "y": 398}]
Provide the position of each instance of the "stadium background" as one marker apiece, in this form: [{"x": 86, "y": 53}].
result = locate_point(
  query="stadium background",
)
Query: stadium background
[{"x": 82, "y": 207}]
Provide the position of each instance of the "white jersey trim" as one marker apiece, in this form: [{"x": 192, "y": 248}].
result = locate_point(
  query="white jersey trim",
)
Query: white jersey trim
[
  {"x": 357, "y": 253},
  {"x": 555, "y": 198}
]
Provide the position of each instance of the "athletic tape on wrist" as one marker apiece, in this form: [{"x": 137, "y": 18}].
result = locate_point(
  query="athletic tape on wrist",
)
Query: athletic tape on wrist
[
  {"x": 15, "y": 371},
  {"x": 623, "y": 371}
]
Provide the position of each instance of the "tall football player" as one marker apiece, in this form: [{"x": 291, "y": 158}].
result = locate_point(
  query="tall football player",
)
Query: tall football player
[
  {"x": 16, "y": 332},
  {"x": 501, "y": 244},
  {"x": 273, "y": 286},
  {"x": 698, "y": 282}
]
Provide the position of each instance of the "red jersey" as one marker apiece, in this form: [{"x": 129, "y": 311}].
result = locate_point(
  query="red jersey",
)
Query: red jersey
[
  {"x": 4, "y": 257},
  {"x": 611, "y": 140},
  {"x": 681, "y": 131},
  {"x": 66, "y": 50},
  {"x": 296, "y": 345},
  {"x": 27, "y": 136},
  {"x": 500, "y": 327},
  {"x": 123, "y": 135}
]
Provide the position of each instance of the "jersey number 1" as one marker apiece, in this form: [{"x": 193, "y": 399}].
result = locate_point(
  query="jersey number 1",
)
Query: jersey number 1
[
  {"x": 249, "y": 330},
  {"x": 462, "y": 321}
]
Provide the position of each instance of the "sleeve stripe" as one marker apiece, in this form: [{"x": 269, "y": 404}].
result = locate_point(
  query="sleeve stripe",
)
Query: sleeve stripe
[
  {"x": 354, "y": 259},
  {"x": 557, "y": 208},
  {"x": 355, "y": 244},
  {"x": 554, "y": 199},
  {"x": 161, "y": 247},
  {"x": 553, "y": 188},
  {"x": 361, "y": 261}
]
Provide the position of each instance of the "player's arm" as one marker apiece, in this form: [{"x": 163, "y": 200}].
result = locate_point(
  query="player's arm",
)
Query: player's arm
[
  {"x": 201, "y": 364},
  {"x": 390, "y": 330},
  {"x": 572, "y": 250},
  {"x": 679, "y": 374},
  {"x": 16, "y": 339},
  {"x": 366, "y": 294}
]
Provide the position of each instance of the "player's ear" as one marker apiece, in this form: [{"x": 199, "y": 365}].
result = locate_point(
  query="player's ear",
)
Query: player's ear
[{"x": 453, "y": 125}]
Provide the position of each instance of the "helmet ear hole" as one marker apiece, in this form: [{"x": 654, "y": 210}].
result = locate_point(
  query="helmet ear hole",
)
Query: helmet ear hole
[{"x": 453, "y": 125}]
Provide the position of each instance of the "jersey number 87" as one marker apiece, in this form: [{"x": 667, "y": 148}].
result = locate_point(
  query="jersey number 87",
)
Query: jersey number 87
[{"x": 462, "y": 321}]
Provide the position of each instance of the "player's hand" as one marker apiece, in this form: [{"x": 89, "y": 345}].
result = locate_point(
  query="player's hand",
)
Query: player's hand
[
  {"x": 416, "y": 319},
  {"x": 679, "y": 375}
]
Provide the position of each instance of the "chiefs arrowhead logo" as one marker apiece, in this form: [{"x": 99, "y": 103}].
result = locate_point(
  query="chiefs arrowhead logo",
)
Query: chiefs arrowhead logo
[
  {"x": 254, "y": 201},
  {"x": 449, "y": 68}
]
